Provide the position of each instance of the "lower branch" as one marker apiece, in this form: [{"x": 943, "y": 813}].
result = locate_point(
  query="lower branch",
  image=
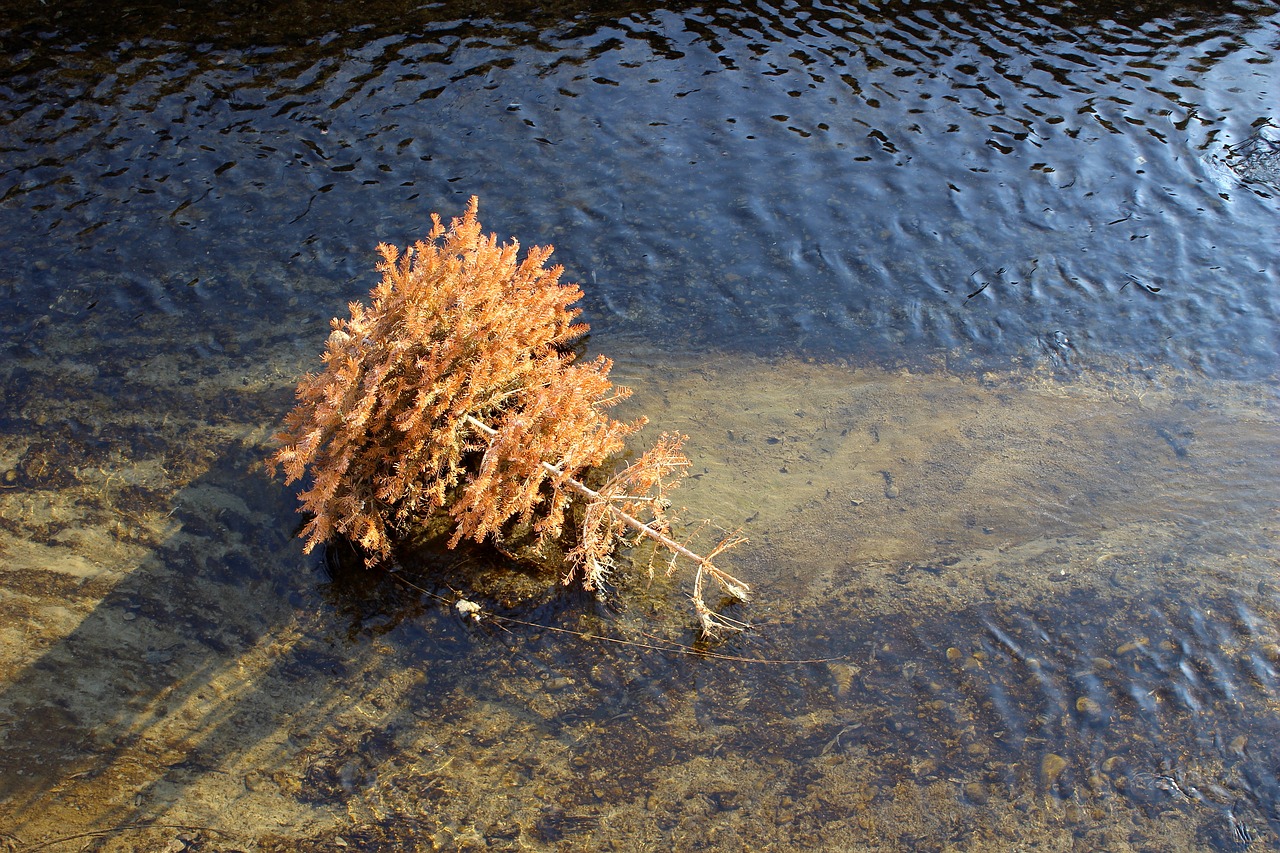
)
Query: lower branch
[{"x": 738, "y": 589}]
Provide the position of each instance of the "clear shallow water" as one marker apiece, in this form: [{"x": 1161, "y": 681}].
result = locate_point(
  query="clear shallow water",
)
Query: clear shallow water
[
  {"x": 1036, "y": 605},
  {"x": 989, "y": 613}
]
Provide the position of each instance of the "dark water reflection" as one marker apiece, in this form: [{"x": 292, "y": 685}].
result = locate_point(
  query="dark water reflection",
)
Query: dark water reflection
[{"x": 885, "y": 182}]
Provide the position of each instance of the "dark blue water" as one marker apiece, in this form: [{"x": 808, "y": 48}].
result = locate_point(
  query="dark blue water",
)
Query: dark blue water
[{"x": 880, "y": 182}]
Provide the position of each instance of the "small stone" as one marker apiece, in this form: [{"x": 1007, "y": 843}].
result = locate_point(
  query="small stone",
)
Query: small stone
[
  {"x": 1051, "y": 767},
  {"x": 1132, "y": 645},
  {"x": 976, "y": 793},
  {"x": 1088, "y": 707},
  {"x": 954, "y": 654}
]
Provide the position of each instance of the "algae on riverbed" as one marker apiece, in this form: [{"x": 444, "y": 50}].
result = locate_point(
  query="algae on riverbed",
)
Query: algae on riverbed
[{"x": 965, "y": 558}]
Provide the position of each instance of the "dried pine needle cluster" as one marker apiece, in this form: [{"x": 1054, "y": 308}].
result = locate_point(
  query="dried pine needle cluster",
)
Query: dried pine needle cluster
[{"x": 454, "y": 391}]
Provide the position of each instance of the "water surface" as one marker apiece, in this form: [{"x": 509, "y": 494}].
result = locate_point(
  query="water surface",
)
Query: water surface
[
  {"x": 878, "y": 182},
  {"x": 968, "y": 310}
]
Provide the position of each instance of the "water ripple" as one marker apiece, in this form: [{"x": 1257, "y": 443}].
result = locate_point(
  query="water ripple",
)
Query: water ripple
[{"x": 861, "y": 179}]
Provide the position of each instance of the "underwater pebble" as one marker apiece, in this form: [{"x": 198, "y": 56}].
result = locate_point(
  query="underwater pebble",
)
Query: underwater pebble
[
  {"x": 1051, "y": 767},
  {"x": 1132, "y": 645},
  {"x": 1088, "y": 707},
  {"x": 954, "y": 654},
  {"x": 976, "y": 793}
]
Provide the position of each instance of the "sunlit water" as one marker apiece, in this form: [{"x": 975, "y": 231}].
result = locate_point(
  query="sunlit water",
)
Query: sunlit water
[
  {"x": 994, "y": 179},
  {"x": 1025, "y": 593}
]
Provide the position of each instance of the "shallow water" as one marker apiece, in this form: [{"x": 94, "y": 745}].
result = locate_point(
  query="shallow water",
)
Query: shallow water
[{"x": 970, "y": 316}]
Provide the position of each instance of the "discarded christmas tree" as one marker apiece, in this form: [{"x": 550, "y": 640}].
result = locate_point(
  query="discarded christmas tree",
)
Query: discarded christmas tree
[{"x": 455, "y": 392}]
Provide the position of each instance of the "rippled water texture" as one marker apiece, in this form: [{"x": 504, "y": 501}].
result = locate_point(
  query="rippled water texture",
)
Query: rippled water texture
[
  {"x": 882, "y": 181},
  {"x": 969, "y": 310}
]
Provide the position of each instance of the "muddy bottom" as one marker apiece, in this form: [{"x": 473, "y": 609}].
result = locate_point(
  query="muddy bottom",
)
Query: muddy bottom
[{"x": 1034, "y": 609}]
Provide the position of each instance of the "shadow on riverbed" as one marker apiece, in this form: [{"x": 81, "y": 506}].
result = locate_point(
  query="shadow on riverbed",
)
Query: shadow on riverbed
[
  {"x": 998, "y": 609},
  {"x": 175, "y": 669}
]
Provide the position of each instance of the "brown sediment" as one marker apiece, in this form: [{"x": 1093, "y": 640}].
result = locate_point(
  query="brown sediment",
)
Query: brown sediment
[{"x": 168, "y": 658}]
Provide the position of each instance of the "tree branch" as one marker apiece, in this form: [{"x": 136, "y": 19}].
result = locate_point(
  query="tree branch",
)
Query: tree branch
[{"x": 734, "y": 586}]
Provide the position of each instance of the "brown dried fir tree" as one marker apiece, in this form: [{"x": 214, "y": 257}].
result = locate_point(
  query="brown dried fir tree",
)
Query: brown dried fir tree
[{"x": 454, "y": 391}]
